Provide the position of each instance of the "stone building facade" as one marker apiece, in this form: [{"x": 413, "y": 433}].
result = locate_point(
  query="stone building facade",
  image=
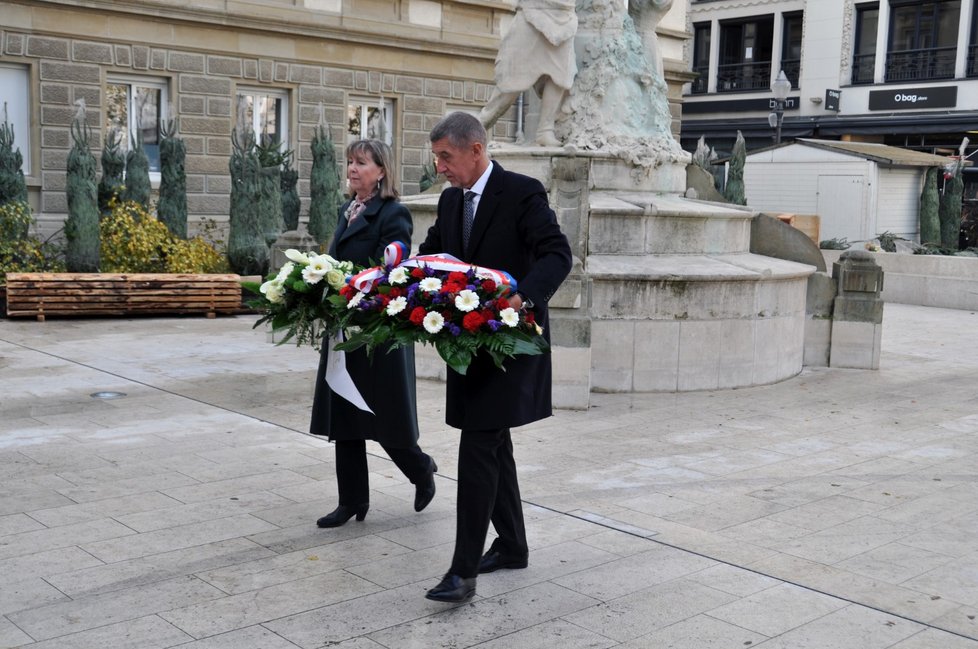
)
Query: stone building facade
[
  {"x": 388, "y": 68},
  {"x": 216, "y": 64}
]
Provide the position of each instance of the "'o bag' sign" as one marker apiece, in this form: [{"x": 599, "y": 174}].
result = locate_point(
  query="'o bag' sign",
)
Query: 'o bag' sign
[{"x": 911, "y": 98}]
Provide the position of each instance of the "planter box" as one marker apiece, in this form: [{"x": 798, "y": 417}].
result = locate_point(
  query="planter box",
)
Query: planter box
[
  {"x": 925, "y": 280},
  {"x": 40, "y": 295}
]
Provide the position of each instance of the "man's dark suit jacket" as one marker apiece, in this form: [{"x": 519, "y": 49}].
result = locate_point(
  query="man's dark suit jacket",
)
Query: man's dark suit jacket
[{"x": 516, "y": 231}]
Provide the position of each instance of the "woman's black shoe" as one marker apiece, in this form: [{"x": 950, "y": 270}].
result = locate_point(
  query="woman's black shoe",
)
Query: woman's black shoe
[
  {"x": 342, "y": 514},
  {"x": 425, "y": 491}
]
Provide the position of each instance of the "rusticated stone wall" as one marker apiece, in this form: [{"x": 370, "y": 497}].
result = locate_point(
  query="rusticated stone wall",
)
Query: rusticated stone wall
[{"x": 70, "y": 49}]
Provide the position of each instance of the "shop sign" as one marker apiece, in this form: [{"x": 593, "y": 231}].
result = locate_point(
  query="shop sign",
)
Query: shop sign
[
  {"x": 913, "y": 98},
  {"x": 737, "y": 105},
  {"x": 832, "y": 99}
]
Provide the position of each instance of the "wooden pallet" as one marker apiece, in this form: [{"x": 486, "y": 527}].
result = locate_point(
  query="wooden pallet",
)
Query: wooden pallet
[{"x": 102, "y": 294}]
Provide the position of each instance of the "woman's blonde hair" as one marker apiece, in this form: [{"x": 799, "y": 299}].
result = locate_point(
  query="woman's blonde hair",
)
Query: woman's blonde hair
[{"x": 381, "y": 154}]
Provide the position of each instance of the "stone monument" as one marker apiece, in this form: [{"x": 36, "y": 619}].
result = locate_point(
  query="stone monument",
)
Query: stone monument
[{"x": 664, "y": 294}]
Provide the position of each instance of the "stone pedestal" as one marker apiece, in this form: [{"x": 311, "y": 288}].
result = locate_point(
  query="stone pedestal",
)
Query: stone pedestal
[
  {"x": 857, "y": 315},
  {"x": 664, "y": 294},
  {"x": 299, "y": 239}
]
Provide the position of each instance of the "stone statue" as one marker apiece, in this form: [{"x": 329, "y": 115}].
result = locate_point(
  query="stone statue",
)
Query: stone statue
[
  {"x": 537, "y": 51},
  {"x": 618, "y": 103},
  {"x": 647, "y": 14}
]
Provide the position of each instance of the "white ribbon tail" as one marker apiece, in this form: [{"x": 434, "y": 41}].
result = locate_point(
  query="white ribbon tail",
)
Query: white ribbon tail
[{"x": 339, "y": 379}]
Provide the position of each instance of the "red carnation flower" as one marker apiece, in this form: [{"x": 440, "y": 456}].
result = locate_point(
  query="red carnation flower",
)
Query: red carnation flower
[
  {"x": 457, "y": 278},
  {"x": 487, "y": 315},
  {"x": 417, "y": 315},
  {"x": 417, "y": 272},
  {"x": 472, "y": 321},
  {"x": 396, "y": 292},
  {"x": 489, "y": 286},
  {"x": 530, "y": 317}
]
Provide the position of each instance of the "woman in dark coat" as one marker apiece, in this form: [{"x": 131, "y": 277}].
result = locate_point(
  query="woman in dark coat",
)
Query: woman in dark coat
[{"x": 368, "y": 222}]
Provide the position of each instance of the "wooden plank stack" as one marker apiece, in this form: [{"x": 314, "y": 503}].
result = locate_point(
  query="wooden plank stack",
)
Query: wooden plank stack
[{"x": 102, "y": 294}]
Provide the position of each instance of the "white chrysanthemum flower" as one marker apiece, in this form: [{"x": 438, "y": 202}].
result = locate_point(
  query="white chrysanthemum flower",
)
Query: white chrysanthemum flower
[
  {"x": 285, "y": 270},
  {"x": 336, "y": 279},
  {"x": 296, "y": 256},
  {"x": 355, "y": 300},
  {"x": 311, "y": 275},
  {"x": 467, "y": 300},
  {"x": 398, "y": 276},
  {"x": 509, "y": 317},
  {"x": 430, "y": 284},
  {"x": 320, "y": 264},
  {"x": 433, "y": 322},
  {"x": 396, "y": 305},
  {"x": 273, "y": 291}
]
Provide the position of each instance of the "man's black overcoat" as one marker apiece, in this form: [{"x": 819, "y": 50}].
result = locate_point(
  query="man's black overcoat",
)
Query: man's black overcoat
[{"x": 516, "y": 231}]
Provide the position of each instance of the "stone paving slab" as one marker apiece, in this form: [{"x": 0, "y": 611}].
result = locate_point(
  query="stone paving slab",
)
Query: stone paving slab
[{"x": 834, "y": 510}]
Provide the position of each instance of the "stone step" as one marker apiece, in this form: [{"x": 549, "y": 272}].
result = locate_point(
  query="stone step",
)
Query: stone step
[{"x": 648, "y": 223}]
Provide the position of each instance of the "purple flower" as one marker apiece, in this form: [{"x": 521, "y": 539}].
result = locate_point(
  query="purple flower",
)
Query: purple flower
[
  {"x": 454, "y": 329},
  {"x": 494, "y": 325}
]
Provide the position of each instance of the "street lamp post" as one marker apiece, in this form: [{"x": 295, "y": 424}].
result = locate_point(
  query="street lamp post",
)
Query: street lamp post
[{"x": 781, "y": 87}]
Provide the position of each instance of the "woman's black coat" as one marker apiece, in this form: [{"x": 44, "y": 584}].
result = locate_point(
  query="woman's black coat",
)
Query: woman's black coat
[{"x": 387, "y": 381}]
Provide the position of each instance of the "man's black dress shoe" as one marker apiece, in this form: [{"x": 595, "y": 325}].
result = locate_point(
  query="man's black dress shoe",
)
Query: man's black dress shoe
[
  {"x": 452, "y": 588},
  {"x": 494, "y": 560},
  {"x": 342, "y": 514},
  {"x": 425, "y": 490}
]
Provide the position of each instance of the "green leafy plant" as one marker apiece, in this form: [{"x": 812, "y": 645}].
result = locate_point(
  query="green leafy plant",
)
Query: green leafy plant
[
  {"x": 834, "y": 244},
  {"x": 134, "y": 241},
  {"x": 27, "y": 253},
  {"x": 888, "y": 241}
]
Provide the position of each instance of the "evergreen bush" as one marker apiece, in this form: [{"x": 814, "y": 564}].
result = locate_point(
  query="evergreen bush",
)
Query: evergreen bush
[
  {"x": 13, "y": 188},
  {"x": 112, "y": 184},
  {"x": 291, "y": 203},
  {"x": 324, "y": 187},
  {"x": 138, "y": 187},
  {"x": 81, "y": 226},
  {"x": 171, "y": 209},
  {"x": 247, "y": 252},
  {"x": 734, "y": 190},
  {"x": 930, "y": 223}
]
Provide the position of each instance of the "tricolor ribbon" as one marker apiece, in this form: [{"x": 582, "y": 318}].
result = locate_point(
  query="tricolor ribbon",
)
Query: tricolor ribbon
[{"x": 394, "y": 257}]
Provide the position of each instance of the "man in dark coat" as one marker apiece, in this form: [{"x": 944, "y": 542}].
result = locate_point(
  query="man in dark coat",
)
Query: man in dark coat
[{"x": 513, "y": 230}]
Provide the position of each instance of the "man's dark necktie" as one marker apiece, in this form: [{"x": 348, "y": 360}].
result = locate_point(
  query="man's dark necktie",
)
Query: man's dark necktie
[{"x": 468, "y": 217}]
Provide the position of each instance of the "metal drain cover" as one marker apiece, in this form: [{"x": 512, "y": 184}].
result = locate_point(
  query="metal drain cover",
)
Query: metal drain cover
[{"x": 107, "y": 395}]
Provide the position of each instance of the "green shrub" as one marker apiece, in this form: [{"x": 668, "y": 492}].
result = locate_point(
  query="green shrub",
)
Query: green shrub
[
  {"x": 24, "y": 254},
  {"x": 134, "y": 241}
]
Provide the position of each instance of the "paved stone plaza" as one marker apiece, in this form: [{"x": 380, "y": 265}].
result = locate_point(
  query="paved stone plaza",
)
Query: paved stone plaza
[{"x": 835, "y": 510}]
